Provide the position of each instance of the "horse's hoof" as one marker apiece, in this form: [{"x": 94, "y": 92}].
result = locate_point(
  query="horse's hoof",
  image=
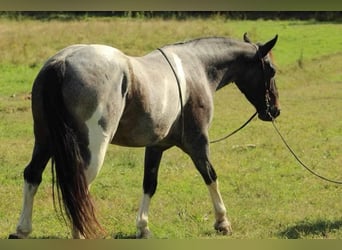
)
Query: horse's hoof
[
  {"x": 144, "y": 234},
  {"x": 223, "y": 228},
  {"x": 14, "y": 237}
]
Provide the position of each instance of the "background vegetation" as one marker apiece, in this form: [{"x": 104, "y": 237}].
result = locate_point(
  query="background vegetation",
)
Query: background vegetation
[
  {"x": 180, "y": 15},
  {"x": 268, "y": 195}
]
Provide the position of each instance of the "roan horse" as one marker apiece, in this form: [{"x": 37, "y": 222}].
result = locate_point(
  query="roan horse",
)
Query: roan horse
[{"x": 88, "y": 96}]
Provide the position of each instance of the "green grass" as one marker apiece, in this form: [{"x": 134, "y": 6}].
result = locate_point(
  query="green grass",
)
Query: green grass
[{"x": 268, "y": 195}]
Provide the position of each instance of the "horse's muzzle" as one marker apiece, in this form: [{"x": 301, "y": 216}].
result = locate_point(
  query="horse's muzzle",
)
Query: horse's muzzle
[{"x": 270, "y": 114}]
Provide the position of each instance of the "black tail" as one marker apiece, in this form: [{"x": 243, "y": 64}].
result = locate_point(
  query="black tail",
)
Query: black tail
[{"x": 68, "y": 156}]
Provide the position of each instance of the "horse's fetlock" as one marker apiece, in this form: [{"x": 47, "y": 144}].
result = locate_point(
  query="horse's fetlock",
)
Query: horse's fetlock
[
  {"x": 143, "y": 233},
  {"x": 20, "y": 234}
]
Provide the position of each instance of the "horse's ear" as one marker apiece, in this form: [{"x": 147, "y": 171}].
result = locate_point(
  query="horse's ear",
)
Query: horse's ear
[
  {"x": 246, "y": 38},
  {"x": 264, "y": 49}
]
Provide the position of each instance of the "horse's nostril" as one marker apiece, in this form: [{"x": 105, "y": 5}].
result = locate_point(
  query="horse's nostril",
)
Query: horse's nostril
[
  {"x": 270, "y": 114},
  {"x": 276, "y": 112}
]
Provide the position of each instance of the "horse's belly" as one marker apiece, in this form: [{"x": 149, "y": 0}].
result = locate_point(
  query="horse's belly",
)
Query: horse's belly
[{"x": 142, "y": 132}]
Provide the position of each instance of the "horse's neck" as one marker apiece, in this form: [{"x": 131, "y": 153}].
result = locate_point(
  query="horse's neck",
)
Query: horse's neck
[{"x": 218, "y": 57}]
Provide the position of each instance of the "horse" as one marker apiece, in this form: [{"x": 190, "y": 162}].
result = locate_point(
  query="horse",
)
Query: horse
[{"x": 88, "y": 96}]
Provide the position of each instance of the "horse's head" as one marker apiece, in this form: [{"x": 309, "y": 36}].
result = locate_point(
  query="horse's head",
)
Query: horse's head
[{"x": 257, "y": 81}]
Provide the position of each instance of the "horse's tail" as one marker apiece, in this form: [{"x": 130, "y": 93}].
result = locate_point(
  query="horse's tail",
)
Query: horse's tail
[{"x": 69, "y": 156}]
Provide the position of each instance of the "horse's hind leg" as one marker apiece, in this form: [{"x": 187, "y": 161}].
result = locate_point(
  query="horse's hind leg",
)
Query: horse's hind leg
[
  {"x": 32, "y": 179},
  {"x": 98, "y": 139},
  {"x": 152, "y": 160}
]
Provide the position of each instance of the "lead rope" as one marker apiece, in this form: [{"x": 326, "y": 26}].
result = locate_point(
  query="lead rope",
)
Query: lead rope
[
  {"x": 179, "y": 92},
  {"x": 283, "y": 139},
  {"x": 299, "y": 161},
  {"x": 287, "y": 146},
  {"x": 236, "y": 130}
]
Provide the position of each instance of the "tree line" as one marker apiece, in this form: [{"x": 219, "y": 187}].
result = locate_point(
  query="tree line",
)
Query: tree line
[{"x": 335, "y": 16}]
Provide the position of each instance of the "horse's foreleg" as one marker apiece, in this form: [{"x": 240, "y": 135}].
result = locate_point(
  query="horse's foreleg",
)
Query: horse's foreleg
[
  {"x": 221, "y": 224},
  {"x": 152, "y": 161},
  {"x": 143, "y": 230},
  {"x": 202, "y": 163},
  {"x": 32, "y": 179}
]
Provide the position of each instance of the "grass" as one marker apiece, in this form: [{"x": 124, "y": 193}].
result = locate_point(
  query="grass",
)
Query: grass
[{"x": 268, "y": 195}]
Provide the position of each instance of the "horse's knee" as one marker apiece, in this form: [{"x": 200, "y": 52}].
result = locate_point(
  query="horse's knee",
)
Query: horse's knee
[{"x": 206, "y": 170}]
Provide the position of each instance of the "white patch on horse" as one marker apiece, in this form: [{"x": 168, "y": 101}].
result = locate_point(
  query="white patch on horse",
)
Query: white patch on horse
[
  {"x": 106, "y": 51},
  {"x": 24, "y": 226},
  {"x": 165, "y": 97},
  {"x": 98, "y": 143},
  {"x": 142, "y": 217},
  {"x": 180, "y": 75},
  {"x": 220, "y": 210}
]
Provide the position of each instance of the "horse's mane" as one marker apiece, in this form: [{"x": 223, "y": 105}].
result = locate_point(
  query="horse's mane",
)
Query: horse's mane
[{"x": 201, "y": 39}]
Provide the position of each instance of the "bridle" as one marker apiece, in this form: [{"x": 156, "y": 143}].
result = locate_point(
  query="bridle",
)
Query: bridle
[
  {"x": 267, "y": 100},
  {"x": 268, "y": 84}
]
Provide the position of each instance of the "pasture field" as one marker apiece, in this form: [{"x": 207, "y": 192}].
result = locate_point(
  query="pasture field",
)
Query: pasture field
[{"x": 267, "y": 194}]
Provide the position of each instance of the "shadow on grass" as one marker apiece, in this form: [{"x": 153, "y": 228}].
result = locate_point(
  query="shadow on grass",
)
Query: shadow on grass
[
  {"x": 121, "y": 235},
  {"x": 319, "y": 228},
  {"x": 118, "y": 235}
]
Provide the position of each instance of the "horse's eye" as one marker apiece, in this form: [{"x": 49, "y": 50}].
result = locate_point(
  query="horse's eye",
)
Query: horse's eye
[{"x": 272, "y": 71}]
